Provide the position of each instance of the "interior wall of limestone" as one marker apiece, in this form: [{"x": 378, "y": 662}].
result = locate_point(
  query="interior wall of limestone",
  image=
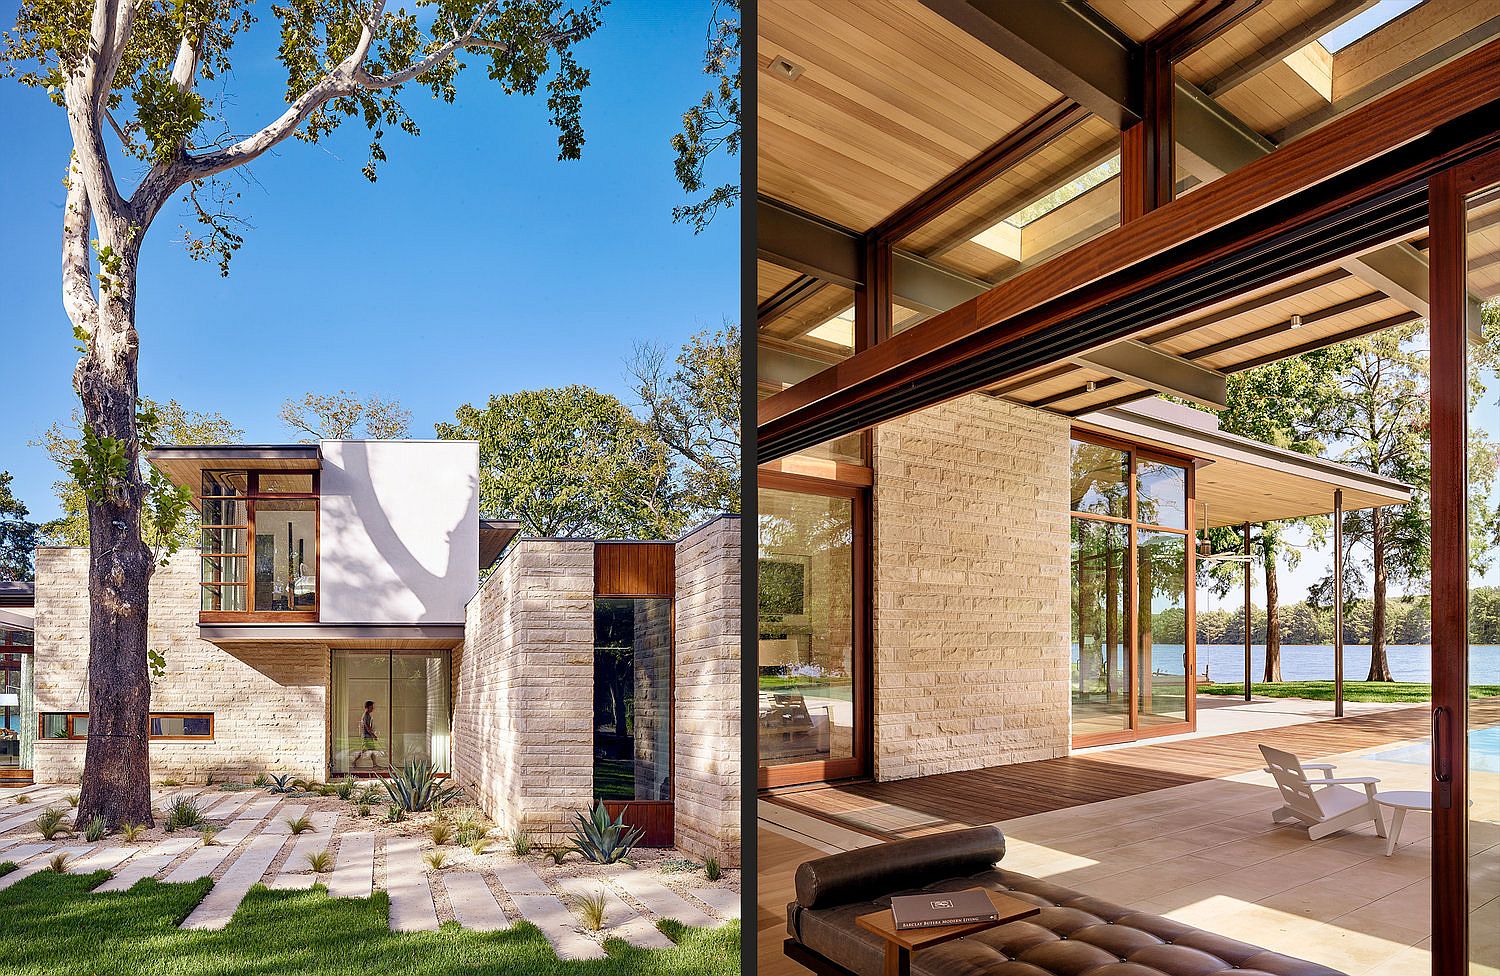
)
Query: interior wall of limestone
[
  {"x": 706, "y": 730},
  {"x": 523, "y": 709},
  {"x": 269, "y": 701},
  {"x": 971, "y": 588}
]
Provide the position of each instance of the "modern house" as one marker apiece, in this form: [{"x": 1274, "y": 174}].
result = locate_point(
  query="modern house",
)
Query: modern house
[
  {"x": 333, "y": 623},
  {"x": 995, "y": 240}
]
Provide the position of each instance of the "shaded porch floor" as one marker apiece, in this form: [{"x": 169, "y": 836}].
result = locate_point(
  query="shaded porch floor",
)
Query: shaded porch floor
[{"x": 1182, "y": 829}]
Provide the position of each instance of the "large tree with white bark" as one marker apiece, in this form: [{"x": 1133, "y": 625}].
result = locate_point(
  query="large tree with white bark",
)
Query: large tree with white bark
[{"x": 133, "y": 78}]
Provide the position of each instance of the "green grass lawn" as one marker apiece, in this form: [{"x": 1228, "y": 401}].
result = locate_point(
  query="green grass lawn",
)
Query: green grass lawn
[
  {"x": 1357, "y": 691},
  {"x": 50, "y": 925}
]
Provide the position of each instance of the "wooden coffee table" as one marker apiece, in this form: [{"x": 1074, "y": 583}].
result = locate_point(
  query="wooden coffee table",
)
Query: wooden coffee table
[{"x": 901, "y": 943}]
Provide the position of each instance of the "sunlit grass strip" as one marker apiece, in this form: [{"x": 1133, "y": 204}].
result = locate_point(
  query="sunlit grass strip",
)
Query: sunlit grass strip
[{"x": 1356, "y": 691}]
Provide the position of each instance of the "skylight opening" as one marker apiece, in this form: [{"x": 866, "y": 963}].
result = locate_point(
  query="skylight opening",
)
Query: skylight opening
[
  {"x": 837, "y": 329},
  {"x": 1365, "y": 23},
  {"x": 1071, "y": 190}
]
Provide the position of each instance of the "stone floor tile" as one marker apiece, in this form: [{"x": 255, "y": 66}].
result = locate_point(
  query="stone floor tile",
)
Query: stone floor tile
[
  {"x": 550, "y": 915},
  {"x": 520, "y": 879},
  {"x": 219, "y": 905},
  {"x": 149, "y": 862},
  {"x": 472, "y": 901},
  {"x": 412, "y": 908},
  {"x": 353, "y": 866},
  {"x": 661, "y": 900}
]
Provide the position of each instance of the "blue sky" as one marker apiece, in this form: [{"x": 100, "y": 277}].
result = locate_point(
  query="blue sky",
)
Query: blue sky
[{"x": 478, "y": 263}]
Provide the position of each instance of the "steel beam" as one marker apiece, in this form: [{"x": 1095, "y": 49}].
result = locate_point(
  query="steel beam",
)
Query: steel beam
[
  {"x": 803, "y": 243},
  {"x": 1136, "y": 362}
]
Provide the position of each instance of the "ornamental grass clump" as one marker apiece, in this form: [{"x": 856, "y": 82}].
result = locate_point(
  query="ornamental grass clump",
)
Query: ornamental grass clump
[
  {"x": 300, "y": 825},
  {"x": 320, "y": 862},
  {"x": 184, "y": 812},
  {"x": 602, "y": 840},
  {"x": 593, "y": 908},
  {"x": 441, "y": 832},
  {"x": 132, "y": 832},
  {"x": 50, "y": 823},
  {"x": 520, "y": 842},
  {"x": 95, "y": 830}
]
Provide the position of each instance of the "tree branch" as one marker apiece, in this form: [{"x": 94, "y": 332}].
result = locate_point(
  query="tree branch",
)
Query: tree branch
[{"x": 436, "y": 57}]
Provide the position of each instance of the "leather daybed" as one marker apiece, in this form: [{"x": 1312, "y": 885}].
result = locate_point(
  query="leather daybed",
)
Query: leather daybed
[{"x": 1074, "y": 935}]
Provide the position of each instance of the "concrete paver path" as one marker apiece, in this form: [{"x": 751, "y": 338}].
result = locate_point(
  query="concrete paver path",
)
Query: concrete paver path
[
  {"x": 281, "y": 823},
  {"x": 661, "y": 900},
  {"x": 353, "y": 867},
  {"x": 320, "y": 838},
  {"x": 230, "y": 804},
  {"x": 104, "y": 859},
  {"x": 218, "y": 906},
  {"x": 725, "y": 901},
  {"x": 557, "y": 924},
  {"x": 519, "y": 879},
  {"x": 149, "y": 862},
  {"x": 203, "y": 862},
  {"x": 412, "y": 908},
  {"x": 473, "y": 903}
]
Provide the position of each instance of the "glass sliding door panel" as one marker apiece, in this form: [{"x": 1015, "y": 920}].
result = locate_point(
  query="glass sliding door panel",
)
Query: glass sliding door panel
[
  {"x": 806, "y": 627},
  {"x": 1161, "y": 628},
  {"x": 632, "y": 699},
  {"x": 419, "y": 712},
  {"x": 1101, "y": 659},
  {"x": 361, "y": 684},
  {"x": 1482, "y": 650}
]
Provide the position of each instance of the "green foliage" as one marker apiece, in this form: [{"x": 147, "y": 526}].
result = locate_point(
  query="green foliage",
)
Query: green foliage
[
  {"x": 370, "y": 794},
  {"x": 558, "y": 853},
  {"x": 435, "y": 859},
  {"x": 281, "y": 782},
  {"x": 520, "y": 842},
  {"x": 344, "y": 788},
  {"x": 299, "y": 825},
  {"x": 320, "y": 862},
  {"x": 694, "y": 409},
  {"x": 168, "y": 115},
  {"x": 394, "y": 814},
  {"x": 168, "y": 522},
  {"x": 711, "y": 869},
  {"x": 58, "y": 863},
  {"x": 479, "y": 845},
  {"x": 363, "y": 809},
  {"x": 156, "y": 661},
  {"x": 714, "y": 122},
  {"x": 95, "y": 830},
  {"x": 132, "y": 832},
  {"x": 261, "y": 779},
  {"x": 570, "y": 462},
  {"x": 602, "y": 840},
  {"x": 343, "y": 415},
  {"x": 184, "y": 812},
  {"x": 19, "y": 537},
  {"x": 1358, "y": 691},
  {"x": 50, "y": 822},
  {"x": 209, "y": 834},
  {"x": 441, "y": 832},
  {"x": 416, "y": 787},
  {"x": 72, "y": 799}
]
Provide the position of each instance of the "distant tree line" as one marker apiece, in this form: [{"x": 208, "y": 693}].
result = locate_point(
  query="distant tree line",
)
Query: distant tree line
[{"x": 1408, "y": 621}]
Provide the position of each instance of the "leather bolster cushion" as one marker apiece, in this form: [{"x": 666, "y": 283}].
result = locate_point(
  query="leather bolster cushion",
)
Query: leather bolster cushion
[{"x": 856, "y": 875}]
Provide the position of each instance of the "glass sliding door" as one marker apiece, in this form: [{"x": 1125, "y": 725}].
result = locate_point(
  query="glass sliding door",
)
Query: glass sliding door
[
  {"x": 388, "y": 708},
  {"x": 1132, "y": 616},
  {"x": 633, "y": 699},
  {"x": 811, "y": 638}
]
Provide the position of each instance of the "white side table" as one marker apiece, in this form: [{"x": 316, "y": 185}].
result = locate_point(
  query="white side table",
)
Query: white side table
[{"x": 1401, "y": 801}]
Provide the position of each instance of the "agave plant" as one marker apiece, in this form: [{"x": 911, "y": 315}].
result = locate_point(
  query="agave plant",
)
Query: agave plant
[
  {"x": 416, "y": 787},
  {"x": 602, "y": 840},
  {"x": 344, "y": 788},
  {"x": 282, "y": 783}
]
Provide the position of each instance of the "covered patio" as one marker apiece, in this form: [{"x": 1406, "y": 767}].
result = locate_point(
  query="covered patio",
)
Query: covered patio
[{"x": 990, "y": 235}]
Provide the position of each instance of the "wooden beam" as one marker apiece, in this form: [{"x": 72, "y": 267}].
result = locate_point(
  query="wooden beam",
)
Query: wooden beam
[
  {"x": 1067, "y": 46},
  {"x": 1338, "y": 601},
  {"x": 982, "y": 170},
  {"x": 1200, "y": 24},
  {"x": 1136, "y": 362},
  {"x": 1284, "y": 44}
]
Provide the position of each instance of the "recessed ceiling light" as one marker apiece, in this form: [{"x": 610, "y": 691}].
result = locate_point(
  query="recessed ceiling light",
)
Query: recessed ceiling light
[
  {"x": 1295, "y": 323},
  {"x": 784, "y": 69}
]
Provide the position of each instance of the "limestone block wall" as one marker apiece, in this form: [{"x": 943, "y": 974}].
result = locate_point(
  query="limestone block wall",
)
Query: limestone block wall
[
  {"x": 707, "y": 730},
  {"x": 269, "y": 701},
  {"x": 971, "y": 579},
  {"x": 653, "y": 700},
  {"x": 523, "y": 713}
]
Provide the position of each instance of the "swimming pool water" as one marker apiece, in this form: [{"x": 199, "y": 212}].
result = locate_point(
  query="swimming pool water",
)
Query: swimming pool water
[{"x": 1484, "y": 751}]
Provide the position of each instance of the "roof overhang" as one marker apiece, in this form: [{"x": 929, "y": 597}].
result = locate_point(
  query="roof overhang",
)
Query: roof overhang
[
  {"x": 335, "y": 635},
  {"x": 494, "y": 536},
  {"x": 184, "y": 465},
  {"x": 17, "y": 593},
  {"x": 17, "y": 618},
  {"x": 1238, "y": 479}
]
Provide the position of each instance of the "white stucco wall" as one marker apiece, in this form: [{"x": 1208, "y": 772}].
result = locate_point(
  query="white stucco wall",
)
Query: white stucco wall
[{"x": 400, "y": 531}]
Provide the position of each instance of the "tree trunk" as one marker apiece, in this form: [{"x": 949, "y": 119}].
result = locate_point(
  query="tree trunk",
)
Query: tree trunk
[
  {"x": 1380, "y": 665},
  {"x": 116, "y": 771},
  {"x": 1273, "y": 616}
]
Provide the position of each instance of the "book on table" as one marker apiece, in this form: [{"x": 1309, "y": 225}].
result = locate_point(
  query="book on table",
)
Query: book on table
[{"x": 936, "y": 908}]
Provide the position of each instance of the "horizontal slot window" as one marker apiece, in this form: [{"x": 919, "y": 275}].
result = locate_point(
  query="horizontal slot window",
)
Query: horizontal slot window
[{"x": 163, "y": 725}]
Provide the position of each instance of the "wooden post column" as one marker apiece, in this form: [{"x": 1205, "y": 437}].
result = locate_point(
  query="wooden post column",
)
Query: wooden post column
[
  {"x": 1338, "y": 603},
  {"x": 1249, "y": 612}
]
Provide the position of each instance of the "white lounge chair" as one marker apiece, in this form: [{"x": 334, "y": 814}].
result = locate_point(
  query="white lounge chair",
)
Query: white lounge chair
[{"x": 1325, "y": 806}]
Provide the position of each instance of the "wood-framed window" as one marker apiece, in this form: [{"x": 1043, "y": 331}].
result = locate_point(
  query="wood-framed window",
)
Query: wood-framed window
[
  {"x": 1133, "y": 591},
  {"x": 163, "y": 726},
  {"x": 260, "y": 532}
]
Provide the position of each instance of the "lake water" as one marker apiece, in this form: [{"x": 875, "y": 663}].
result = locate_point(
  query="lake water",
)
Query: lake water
[{"x": 1309, "y": 662}]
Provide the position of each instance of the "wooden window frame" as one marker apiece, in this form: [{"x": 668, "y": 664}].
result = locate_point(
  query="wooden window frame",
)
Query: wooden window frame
[
  {"x": 1134, "y": 526},
  {"x": 859, "y": 763},
  {"x": 252, "y": 495},
  {"x": 72, "y": 736}
]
